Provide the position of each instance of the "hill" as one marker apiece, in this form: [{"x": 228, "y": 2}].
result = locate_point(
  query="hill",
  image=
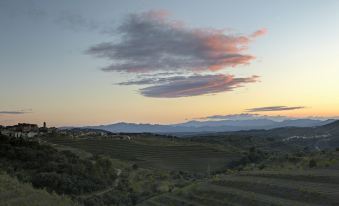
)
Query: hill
[
  {"x": 156, "y": 152},
  {"x": 294, "y": 179},
  {"x": 332, "y": 127},
  {"x": 258, "y": 188},
  {"x": 208, "y": 126},
  {"x": 241, "y": 168},
  {"x": 319, "y": 137},
  {"x": 13, "y": 193}
]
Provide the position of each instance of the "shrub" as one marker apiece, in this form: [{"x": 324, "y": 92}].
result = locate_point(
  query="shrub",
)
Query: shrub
[
  {"x": 312, "y": 163},
  {"x": 135, "y": 166},
  {"x": 262, "y": 166}
]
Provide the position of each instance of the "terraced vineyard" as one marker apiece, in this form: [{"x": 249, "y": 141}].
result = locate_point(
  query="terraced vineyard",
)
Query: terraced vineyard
[
  {"x": 297, "y": 188},
  {"x": 185, "y": 157}
]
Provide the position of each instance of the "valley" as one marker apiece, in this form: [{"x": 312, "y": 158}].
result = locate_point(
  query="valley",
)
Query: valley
[{"x": 254, "y": 167}]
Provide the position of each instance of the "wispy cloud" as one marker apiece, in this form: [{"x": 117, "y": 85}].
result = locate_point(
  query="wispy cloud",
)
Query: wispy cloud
[
  {"x": 184, "y": 86},
  {"x": 153, "y": 80},
  {"x": 255, "y": 116},
  {"x": 274, "y": 108},
  {"x": 231, "y": 116},
  {"x": 151, "y": 42},
  {"x": 16, "y": 112},
  {"x": 244, "y": 116},
  {"x": 76, "y": 22},
  {"x": 71, "y": 20},
  {"x": 259, "y": 32}
]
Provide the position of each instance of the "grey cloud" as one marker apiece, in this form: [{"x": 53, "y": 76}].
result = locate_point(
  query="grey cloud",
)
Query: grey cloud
[
  {"x": 184, "y": 86},
  {"x": 244, "y": 116},
  {"x": 150, "y": 42},
  {"x": 231, "y": 116},
  {"x": 153, "y": 80},
  {"x": 273, "y": 108},
  {"x": 15, "y": 112}
]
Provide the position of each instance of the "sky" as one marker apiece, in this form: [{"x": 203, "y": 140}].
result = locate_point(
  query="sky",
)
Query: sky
[{"x": 151, "y": 61}]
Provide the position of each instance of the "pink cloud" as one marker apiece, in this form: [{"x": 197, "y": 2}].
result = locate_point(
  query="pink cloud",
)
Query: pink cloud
[
  {"x": 258, "y": 33},
  {"x": 152, "y": 42},
  {"x": 195, "y": 85}
]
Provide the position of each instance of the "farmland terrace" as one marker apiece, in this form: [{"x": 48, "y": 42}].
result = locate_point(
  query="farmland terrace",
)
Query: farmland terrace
[
  {"x": 179, "y": 156},
  {"x": 258, "y": 188}
]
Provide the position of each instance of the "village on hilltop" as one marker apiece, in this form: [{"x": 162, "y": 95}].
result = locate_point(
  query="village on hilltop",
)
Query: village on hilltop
[
  {"x": 31, "y": 131},
  {"x": 26, "y": 130}
]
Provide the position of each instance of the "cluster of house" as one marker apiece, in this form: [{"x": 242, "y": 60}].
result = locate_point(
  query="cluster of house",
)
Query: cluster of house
[
  {"x": 82, "y": 132},
  {"x": 118, "y": 136},
  {"x": 92, "y": 133},
  {"x": 25, "y": 130}
]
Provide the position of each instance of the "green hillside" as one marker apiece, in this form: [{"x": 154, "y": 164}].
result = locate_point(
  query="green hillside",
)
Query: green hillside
[{"x": 14, "y": 193}]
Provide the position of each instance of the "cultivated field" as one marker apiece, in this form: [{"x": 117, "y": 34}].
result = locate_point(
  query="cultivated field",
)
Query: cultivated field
[
  {"x": 260, "y": 188},
  {"x": 172, "y": 156}
]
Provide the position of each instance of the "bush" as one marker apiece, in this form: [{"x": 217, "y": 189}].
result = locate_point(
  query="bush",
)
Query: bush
[
  {"x": 262, "y": 166},
  {"x": 135, "y": 166},
  {"x": 312, "y": 163}
]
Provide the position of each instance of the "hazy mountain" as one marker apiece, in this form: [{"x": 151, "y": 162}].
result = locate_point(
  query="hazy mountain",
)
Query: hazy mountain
[
  {"x": 316, "y": 137},
  {"x": 210, "y": 126}
]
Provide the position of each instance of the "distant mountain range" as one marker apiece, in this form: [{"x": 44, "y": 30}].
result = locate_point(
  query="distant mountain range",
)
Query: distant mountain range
[
  {"x": 303, "y": 133},
  {"x": 317, "y": 137},
  {"x": 210, "y": 126}
]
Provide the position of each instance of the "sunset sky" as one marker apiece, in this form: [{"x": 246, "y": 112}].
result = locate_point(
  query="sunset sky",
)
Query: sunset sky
[{"x": 152, "y": 61}]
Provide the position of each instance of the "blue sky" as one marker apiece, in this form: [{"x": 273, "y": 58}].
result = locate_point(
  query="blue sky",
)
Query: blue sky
[{"x": 46, "y": 71}]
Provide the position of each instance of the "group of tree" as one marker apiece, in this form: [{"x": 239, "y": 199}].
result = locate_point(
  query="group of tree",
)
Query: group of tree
[{"x": 60, "y": 171}]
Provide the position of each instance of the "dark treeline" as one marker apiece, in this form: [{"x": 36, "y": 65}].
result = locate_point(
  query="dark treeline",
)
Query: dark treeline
[
  {"x": 65, "y": 173},
  {"x": 60, "y": 171}
]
